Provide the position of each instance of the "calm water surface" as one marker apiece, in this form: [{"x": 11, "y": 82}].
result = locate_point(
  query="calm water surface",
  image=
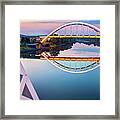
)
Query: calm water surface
[{"x": 52, "y": 83}]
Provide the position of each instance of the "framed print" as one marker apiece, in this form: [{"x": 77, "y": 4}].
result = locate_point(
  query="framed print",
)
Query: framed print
[
  {"x": 72, "y": 52},
  {"x": 60, "y": 59}
]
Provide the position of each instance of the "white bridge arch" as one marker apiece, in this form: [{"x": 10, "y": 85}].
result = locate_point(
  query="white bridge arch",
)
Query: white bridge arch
[{"x": 69, "y": 24}]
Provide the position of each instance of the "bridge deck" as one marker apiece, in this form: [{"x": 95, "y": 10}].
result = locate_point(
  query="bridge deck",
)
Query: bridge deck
[
  {"x": 80, "y": 36},
  {"x": 96, "y": 59},
  {"x": 45, "y": 55}
]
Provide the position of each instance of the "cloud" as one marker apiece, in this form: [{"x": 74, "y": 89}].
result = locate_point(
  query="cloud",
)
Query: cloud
[
  {"x": 81, "y": 50},
  {"x": 82, "y": 45}
]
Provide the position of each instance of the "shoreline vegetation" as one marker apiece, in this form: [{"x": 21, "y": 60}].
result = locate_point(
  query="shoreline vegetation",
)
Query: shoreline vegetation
[{"x": 29, "y": 45}]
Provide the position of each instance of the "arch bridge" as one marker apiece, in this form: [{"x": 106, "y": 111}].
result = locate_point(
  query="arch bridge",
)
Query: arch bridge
[{"x": 77, "y": 30}]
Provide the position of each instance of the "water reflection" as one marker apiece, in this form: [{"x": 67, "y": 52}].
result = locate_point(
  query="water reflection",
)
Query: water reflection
[{"x": 59, "y": 47}]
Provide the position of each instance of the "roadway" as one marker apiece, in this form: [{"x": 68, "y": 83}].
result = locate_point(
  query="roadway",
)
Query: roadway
[{"x": 74, "y": 36}]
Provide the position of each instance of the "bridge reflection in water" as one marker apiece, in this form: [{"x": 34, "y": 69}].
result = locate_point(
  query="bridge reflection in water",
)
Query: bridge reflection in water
[{"x": 73, "y": 64}]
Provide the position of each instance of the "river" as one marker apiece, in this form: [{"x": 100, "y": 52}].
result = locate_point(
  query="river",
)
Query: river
[{"x": 52, "y": 83}]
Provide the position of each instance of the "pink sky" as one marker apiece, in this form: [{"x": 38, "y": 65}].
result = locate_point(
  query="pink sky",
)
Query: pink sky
[
  {"x": 31, "y": 27},
  {"x": 38, "y": 27}
]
